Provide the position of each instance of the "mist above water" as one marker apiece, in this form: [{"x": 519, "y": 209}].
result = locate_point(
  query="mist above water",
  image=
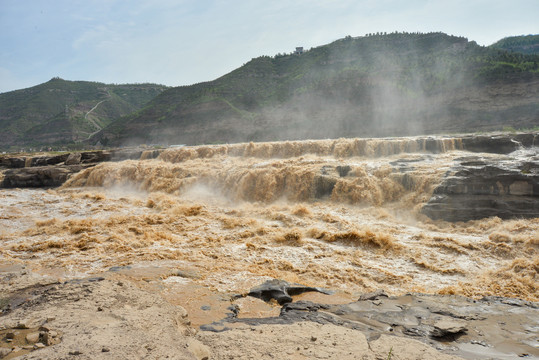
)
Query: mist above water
[
  {"x": 356, "y": 171},
  {"x": 341, "y": 214},
  {"x": 375, "y": 86}
]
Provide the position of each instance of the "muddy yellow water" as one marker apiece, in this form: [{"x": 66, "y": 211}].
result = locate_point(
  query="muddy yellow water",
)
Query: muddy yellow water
[{"x": 237, "y": 215}]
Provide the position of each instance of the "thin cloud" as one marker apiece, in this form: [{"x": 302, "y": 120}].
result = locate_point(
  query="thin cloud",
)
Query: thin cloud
[{"x": 183, "y": 42}]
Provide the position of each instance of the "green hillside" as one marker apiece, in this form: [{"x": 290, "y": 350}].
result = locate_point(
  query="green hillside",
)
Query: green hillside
[
  {"x": 378, "y": 85},
  {"x": 525, "y": 44},
  {"x": 64, "y": 112}
]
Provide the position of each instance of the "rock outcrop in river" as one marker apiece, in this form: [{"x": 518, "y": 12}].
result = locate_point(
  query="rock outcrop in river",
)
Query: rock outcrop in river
[
  {"x": 454, "y": 324},
  {"x": 507, "y": 188},
  {"x": 497, "y": 175},
  {"x": 53, "y": 170},
  {"x": 162, "y": 257}
]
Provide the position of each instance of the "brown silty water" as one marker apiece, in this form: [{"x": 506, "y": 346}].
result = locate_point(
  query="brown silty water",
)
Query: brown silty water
[{"x": 338, "y": 214}]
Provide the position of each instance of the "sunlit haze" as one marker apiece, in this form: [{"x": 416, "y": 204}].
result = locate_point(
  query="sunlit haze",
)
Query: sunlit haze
[{"x": 184, "y": 42}]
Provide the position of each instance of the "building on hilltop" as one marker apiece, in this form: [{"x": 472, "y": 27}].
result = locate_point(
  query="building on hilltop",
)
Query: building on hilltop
[{"x": 299, "y": 50}]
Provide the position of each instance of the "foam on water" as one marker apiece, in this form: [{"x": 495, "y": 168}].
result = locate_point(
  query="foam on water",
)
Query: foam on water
[{"x": 339, "y": 214}]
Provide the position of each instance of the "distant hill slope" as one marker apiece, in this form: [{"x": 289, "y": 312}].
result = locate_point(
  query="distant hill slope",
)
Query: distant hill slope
[
  {"x": 525, "y": 44},
  {"x": 63, "y": 112},
  {"x": 380, "y": 85}
]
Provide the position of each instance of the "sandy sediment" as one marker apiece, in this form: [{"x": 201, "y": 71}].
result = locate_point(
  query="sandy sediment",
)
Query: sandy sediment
[{"x": 342, "y": 215}]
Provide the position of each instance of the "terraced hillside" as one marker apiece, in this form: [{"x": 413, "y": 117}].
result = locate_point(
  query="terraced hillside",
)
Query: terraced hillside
[
  {"x": 64, "y": 112},
  {"x": 380, "y": 85}
]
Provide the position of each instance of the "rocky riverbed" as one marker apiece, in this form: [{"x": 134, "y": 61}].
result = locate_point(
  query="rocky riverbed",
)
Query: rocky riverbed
[
  {"x": 275, "y": 250},
  {"x": 116, "y": 315},
  {"x": 46, "y": 171},
  {"x": 476, "y": 187}
]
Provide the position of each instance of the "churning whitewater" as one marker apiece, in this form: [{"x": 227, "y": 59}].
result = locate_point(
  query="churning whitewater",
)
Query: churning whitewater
[{"x": 341, "y": 214}]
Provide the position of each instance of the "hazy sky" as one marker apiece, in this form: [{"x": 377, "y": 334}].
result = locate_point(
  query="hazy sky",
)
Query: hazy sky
[{"x": 180, "y": 42}]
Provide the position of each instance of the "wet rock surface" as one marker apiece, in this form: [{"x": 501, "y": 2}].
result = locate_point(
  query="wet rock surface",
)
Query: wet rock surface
[
  {"x": 492, "y": 327},
  {"x": 15, "y": 342},
  {"x": 505, "y": 185},
  {"x": 477, "y": 188},
  {"x": 113, "y": 316},
  {"x": 60, "y": 320},
  {"x": 38, "y": 177},
  {"x": 499, "y": 144},
  {"x": 55, "y": 169},
  {"x": 52, "y": 171},
  {"x": 215, "y": 250},
  {"x": 282, "y": 291}
]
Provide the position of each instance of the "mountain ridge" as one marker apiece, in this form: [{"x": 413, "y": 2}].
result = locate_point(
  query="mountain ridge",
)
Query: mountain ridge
[
  {"x": 525, "y": 44},
  {"x": 61, "y": 112},
  {"x": 394, "y": 84},
  {"x": 380, "y": 85}
]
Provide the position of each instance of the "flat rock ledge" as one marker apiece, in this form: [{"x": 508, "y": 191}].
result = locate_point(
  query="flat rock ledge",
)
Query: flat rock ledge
[
  {"x": 114, "y": 316},
  {"x": 506, "y": 187},
  {"x": 52, "y": 171},
  {"x": 489, "y": 328}
]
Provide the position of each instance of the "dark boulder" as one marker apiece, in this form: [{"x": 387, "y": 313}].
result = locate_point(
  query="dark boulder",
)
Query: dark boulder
[
  {"x": 12, "y": 162},
  {"x": 448, "y": 328},
  {"x": 478, "y": 188},
  {"x": 126, "y": 154},
  {"x": 38, "y": 177},
  {"x": 502, "y": 144},
  {"x": 281, "y": 291},
  {"x": 52, "y": 171},
  {"x": 89, "y": 157},
  {"x": 73, "y": 159},
  {"x": 343, "y": 170},
  {"x": 48, "y": 160},
  {"x": 449, "y": 323},
  {"x": 527, "y": 139},
  {"x": 323, "y": 186},
  {"x": 375, "y": 295},
  {"x": 499, "y": 144}
]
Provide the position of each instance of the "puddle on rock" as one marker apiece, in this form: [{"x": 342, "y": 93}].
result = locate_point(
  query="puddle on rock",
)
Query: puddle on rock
[
  {"x": 15, "y": 342},
  {"x": 338, "y": 297},
  {"x": 203, "y": 305}
]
